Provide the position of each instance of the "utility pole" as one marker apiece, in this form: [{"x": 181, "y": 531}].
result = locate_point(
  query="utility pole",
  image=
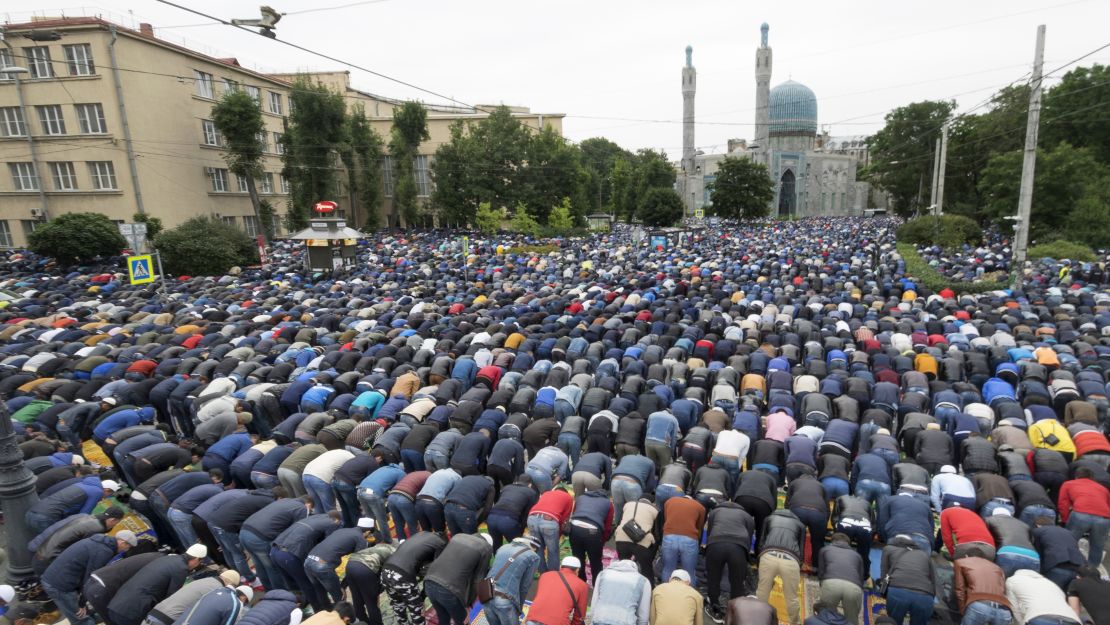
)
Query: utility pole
[
  {"x": 940, "y": 169},
  {"x": 933, "y": 182},
  {"x": 1028, "y": 165}
]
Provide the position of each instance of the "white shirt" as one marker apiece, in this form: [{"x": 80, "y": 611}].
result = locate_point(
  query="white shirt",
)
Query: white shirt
[
  {"x": 732, "y": 443},
  {"x": 950, "y": 484},
  {"x": 1032, "y": 595},
  {"x": 326, "y": 464}
]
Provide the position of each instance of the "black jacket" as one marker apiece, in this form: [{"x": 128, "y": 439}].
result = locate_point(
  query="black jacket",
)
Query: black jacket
[
  {"x": 1029, "y": 493},
  {"x": 416, "y": 553},
  {"x": 784, "y": 532},
  {"x": 1057, "y": 546},
  {"x": 463, "y": 562},
  {"x": 806, "y": 492},
  {"x": 516, "y": 500},
  {"x": 69, "y": 570},
  {"x": 838, "y": 560},
  {"x": 760, "y": 485},
  {"x": 978, "y": 454},
  {"x": 906, "y": 566},
  {"x": 729, "y": 523},
  {"x": 116, "y": 574},
  {"x": 156, "y": 581},
  {"x": 1009, "y": 532}
]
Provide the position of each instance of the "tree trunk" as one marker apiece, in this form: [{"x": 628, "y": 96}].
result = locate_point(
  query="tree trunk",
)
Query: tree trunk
[{"x": 256, "y": 206}]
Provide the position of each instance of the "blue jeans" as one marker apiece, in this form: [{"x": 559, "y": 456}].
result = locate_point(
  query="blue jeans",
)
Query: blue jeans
[
  {"x": 322, "y": 495},
  {"x": 623, "y": 491},
  {"x": 548, "y": 532},
  {"x": 460, "y": 520},
  {"x": 436, "y": 460},
  {"x": 182, "y": 523},
  {"x": 37, "y": 522},
  {"x": 403, "y": 510},
  {"x": 264, "y": 566},
  {"x": 503, "y": 527},
  {"x": 571, "y": 445},
  {"x": 834, "y": 487},
  {"x": 988, "y": 508},
  {"x": 373, "y": 506},
  {"x": 67, "y": 604},
  {"x": 233, "y": 551},
  {"x": 265, "y": 480},
  {"x": 323, "y": 578},
  {"x": 982, "y": 613},
  {"x": 412, "y": 460},
  {"x": 1029, "y": 514},
  {"x": 540, "y": 479},
  {"x": 663, "y": 492},
  {"x": 872, "y": 490},
  {"x": 429, "y": 514},
  {"x": 448, "y": 607},
  {"x": 732, "y": 465},
  {"x": 501, "y": 611},
  {"x": 679, "y": 552},
  {"x": 1095, "y": 528},
  {"x": 1010, "y": 562},
  {"x": 1061, "y": 576},
  {"x": 348, "y": 502},
  {"x": 900, "y": 602},
  {"x": 295, "y": 579},
  {"x": 1050, "y": 620}
]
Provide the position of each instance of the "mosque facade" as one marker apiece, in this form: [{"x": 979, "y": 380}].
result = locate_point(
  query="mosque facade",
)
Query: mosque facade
[{"x": 813, "y": 174}]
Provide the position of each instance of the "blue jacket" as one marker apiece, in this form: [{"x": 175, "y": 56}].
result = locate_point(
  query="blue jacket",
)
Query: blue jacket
[
  {"x": 516, "y": 579},
  {"x": 662, "y": 427},
  {"x": 639, "y": 467},
  {"x": 273, "y": 609},
  {"x": 80, "y": 498},
  {"x": 69, "y": 571},
  {"x": 116, "y": 422},
  {"x": 905, "y": 514},
  {"x": 219, "y": 607},
  {"x": 382, "y": 479},
  {"x": 439, "y": 484},
  {"x": 870, "y": 467},
  {"x": 229, "y": 447}
]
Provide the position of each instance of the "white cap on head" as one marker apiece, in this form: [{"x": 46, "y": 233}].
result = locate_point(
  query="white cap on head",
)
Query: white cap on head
[
  {"x": 366, "y": 523},
  {"x": 572, "y": 562},
  {"x": 197, "y": 551},
  {"x": 111, "y": 485},
  {"x": 948, "y": 469},
  {"x": 77, "y": 460},
  {"x": 7, "y": 593},
  {"x": 128, "y": 537},
  {"x": 231, "y": 577},
  {"x": 681, "y": 574},
  {"x": 246, "y": 591}
]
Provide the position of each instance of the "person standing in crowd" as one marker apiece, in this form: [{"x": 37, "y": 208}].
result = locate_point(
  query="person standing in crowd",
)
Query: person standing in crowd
[
  {"x": 591, "y": 524},
  {"x": 156, "y": 581},
  {"x": 1084, "y": 507},
  {"x": 511, "y": 573},
  {"x": 452, "y": 579},
  {"x": 642, "y": 550},
  {"x": 757, "y": 493},
  {"x": 980, "y": 588},
  {"x": 1036, "y": 600},
  {"x": 429, "y": 501},
  {"x": 961, "y": 529},
  {"x": 364, "y": 581},
  {"x": 908, "y": 576},
  {"x": 675, "y": 602},
  {"x": 841, "y": 573},
  {"x": 1091, "y": 593},
  {"x": 403, "y": 575},
  {"x": 468, "y": 503},
  {"x": 261, "y": 528},
  {"x": 546, "y": 521},
  {"x": 1059, "y": 550},
  {"x": 805, "y": 497},
  {"x": 633, "y": 476},
  {"x": 561, "y": 596},
  {"x": 66, "y": 576},
  {"x": 750, "y": 610},
  {"x": 683, "y": 520},
  {"x": 729, "y": 531},
  {"x": 512, "y": 506},
  {"x": 325, "y": 557},
  {"x": 401, "y": 504},
  {"x": 173, "y": 608},
  {"x": 289, "y": 552},
  {"x": 621, "y": 596},
  {"x": 781, "y": 546}
]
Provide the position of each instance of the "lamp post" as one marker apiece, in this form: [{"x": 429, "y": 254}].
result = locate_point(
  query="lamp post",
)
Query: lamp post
[
  {"x": 17, "y": 495},
  {"x": 14, "y": 72}
]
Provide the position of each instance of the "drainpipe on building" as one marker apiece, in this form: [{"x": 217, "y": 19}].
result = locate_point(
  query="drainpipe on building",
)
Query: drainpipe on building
[
  {"x": 30, "y": 138},
  {"x": 131, "y": 163}
]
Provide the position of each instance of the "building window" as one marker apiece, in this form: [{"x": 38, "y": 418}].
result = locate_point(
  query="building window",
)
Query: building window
[
  {"x": 103, "y": 175},
  {"x": 250, "y": 224},
  {"x": 387, "y": 176},
  {"x": 823, "y": 203},
  {"x": 230, "y": 85},
  {"x": 64, "y": 175},
  {"x": 50, "y": 117},
  {"x": 255, "y": 93},
  {"x": 264, "y": 140},
  {"x": 79, "y": 59},
  {"x": 204, "y": 84},
  {"x": 5, "y": 233},
  {"x": 279, "y": 143},
  {"x": 266, "y": 182},
  {"x": 91, "y": 119},
  {"x": 420, "y": 172},
  {"x": 5, "y": 61},
  {"x": 229, "y": 221},
  {"x": 242, "y": 182},
  {"x": 38, "y": 62},
  {"x": 218, "y": 177},
  {"x": 284, "y": 184},
  {"x": 275, "y": 103},
  {"x": 843, "y": 201},
  {"x": 12, "y": 123},
  {"x": 29, "y": 226},
  {"x": 24, "y": 176},
  {"x": 211, "y": 135}
]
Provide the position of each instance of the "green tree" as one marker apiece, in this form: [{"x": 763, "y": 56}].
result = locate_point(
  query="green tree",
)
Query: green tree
[
  {"x": 742, "y": 190},
  {"x": 410, "y": 128},
  {"x": 153, "y": 224},
  {"x": 238, "y": 118},
  {"x": 599, "y": 157},
  {"x": 901, "y": 153},
  {"x": 313, "y": 132},
  {"x": 1072, "y": 111},
  {"x": 74, "y": 237},
  {"x": 621, "y": 195},
  {"x": 266, "y": 213},
  {"x": 487, "y": 219},
  {"x": 660, "y": 207},
  {"x": 554, "y": 171},
  {"x": 361, "y": 152},
  {"x": 1066, "y": 178},
  {"x": 204, "y": 246},
  {"x": 560, "y": 219},
  {"x": 651, "y": 170},
  {"x": 523, "y": 222}
]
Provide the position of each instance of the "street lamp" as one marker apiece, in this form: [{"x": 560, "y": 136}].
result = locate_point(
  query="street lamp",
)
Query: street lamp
[
  {"x": 15, "y": 72},
  {"x": 17, "y": 495}
]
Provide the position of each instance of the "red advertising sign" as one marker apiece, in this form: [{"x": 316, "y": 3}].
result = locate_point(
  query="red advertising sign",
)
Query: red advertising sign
[{"x": 325, "y": 207}]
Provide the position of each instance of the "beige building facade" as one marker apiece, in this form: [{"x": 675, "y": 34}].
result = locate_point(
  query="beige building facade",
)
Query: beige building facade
[{"x": 106, "y": 119}]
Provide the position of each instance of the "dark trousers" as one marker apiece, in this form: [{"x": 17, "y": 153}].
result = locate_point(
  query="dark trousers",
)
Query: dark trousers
[
  {"x": 97, "y": 597},
  {"x": 503, "y": 527},
  {"x": 717, "y": 557},
  {"x": 449, "y": 608},
  {"x": 587, "y": 543},
  {"x": 412, "y": 460},
  {"x": 349, "y": 507},
  {"x": 860, "y": 535},
  {"x": 429, "y": 514},
  {"x": 366, "y": 589},
  {"x": 759, "y": 510},
  {"x": 501, "y": 476},
  {"x": 817, "y": 522},
  {"x": 460, "y": 520},
  {"x": 205, "y": 536},
  {"x": 642, "y": 556},
  {"x": 292, "y": 568}
]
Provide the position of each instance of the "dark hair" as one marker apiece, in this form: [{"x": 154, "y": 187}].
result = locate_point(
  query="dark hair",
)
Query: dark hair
[
  {"x": 334, "y": 515},
  {"x": 216, "y": 474},
  {"x": 974, "y": 552},
  {"x": 308, "y": 499},
  {"x": 1088, "y": 571},
  {"x": 344, "y": 609},
  {"x": 840, "y": 537},
  {"x": 1084, "y": 472},
  {"x": 279, "y": 492},
  {"x": 1042, "y": 521},
  {"x": 198, "y": 451},
  {"x": 820, "y": 605},
  {"x": 524, "y": 479}
]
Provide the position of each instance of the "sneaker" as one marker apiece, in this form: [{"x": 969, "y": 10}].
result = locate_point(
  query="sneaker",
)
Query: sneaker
[{"x": 715, "y": 612}]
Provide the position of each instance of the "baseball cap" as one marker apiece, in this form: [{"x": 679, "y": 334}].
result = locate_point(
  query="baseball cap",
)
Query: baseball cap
[
  {"x": 128, "y": 537},
  {"x": 231, "y": 577},
  {"x": 366, "y": 523},
  {"x": 681, "y": 574},
  {"x": 571, "y": 562},
  {"x": 111, "y": 485},
  {"x": 197, "y": 551},
  {"x": 114, "y": 512}
]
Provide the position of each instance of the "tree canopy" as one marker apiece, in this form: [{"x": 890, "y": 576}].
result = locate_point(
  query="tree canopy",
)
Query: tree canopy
[
  {"x": 238, "y": 118},
  {"x": 660, "y": 207},
  {"x": 410, "y": 128},
  {"x": 75, "y": 237},
  {"x": 742, "y": 190},
  {"x": 314, "y": 131},
  {"x": 361, "y": 152},
  {"x": 204, "y": 246}
]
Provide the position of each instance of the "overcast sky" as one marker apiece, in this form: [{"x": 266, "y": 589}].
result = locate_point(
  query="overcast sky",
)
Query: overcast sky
[{"x": 613, "y": 66}]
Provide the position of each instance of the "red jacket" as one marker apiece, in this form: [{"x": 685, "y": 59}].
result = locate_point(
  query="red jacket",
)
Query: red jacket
[
  {"x": 1083, "y": 495},
  {"x": 552, "y": 605},
  {"x": 557, "y": 503},
  {"x": 962, "y": 525},
  {"x": 1087, "y": 441}
]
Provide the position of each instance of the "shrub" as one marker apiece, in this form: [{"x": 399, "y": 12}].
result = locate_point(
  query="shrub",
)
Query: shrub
[
  {"x": 523, "y": 222},
  {"x": 204, "y": 246},
  {"x": 660, "y": 207},
  {"x": 74, "y": 237},
  {"x": 947, "y": 231},
  {"x": 560, "y": 220},
  {"x": 153, "y": 225},
  {"x": 487, "y": 220},
  {"x": 922, "y": 273},
  {"x": 1061, "y": 249}
]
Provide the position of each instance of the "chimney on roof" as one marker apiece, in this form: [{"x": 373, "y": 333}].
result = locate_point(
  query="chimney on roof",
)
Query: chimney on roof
[{"x": 146, "y": 30}]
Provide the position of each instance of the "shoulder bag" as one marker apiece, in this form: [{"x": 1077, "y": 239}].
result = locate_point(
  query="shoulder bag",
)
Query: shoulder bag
[
  {"x": 486, "y": 586},
  {"x": 632, "y": 528}
]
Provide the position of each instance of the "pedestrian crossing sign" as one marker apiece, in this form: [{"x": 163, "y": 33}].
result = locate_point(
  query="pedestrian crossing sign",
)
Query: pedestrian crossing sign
[
  {"x": 139, "y": 269},
  {"x": 699, "y": 214}
]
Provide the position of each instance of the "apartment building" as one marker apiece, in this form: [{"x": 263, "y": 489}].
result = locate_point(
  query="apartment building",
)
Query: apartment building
[{"x": 102, "y": 118}]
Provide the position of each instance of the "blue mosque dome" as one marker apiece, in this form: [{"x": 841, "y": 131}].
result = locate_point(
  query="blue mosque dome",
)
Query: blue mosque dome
[{"x": 793, "y": 110}]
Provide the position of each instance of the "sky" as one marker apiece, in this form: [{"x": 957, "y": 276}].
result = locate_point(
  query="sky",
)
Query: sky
[{"x": 613, "y": 67}]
